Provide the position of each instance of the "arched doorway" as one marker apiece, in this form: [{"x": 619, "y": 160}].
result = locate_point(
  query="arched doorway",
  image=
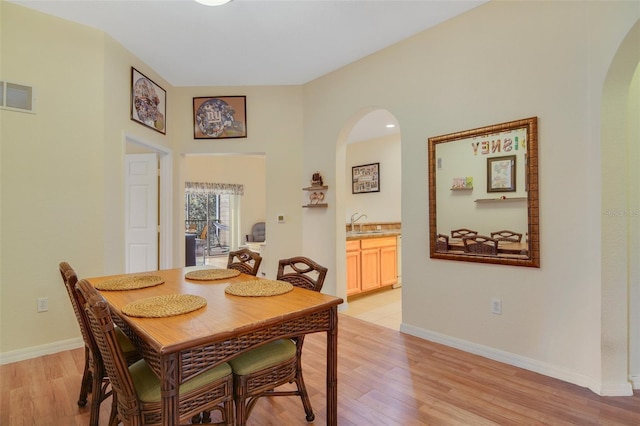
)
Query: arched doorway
[
  {"x": 620, "y": 301},
  {"x": 371, "y": 138}
]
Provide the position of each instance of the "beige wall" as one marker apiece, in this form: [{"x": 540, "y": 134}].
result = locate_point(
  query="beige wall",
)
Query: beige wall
[
  {"x": 274, "y": 128},
  {"x": 499, "y": 62},
  {"x": 62, "y": 168},
  {"x": 52, "y": 172},
  {"x": 383, "y": 206}
]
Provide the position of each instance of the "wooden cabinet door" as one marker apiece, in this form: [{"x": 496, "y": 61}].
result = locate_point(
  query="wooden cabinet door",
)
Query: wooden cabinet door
[
  {"x": 370, "y": 265},
  {"x": 388, "y": 266},
  {"x": 353, "y": 272}
]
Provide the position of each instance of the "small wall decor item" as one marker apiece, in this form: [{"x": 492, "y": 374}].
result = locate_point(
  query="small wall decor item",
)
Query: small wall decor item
[
  {"x": 316, "y": 197},
  {"x": 501, "y": 174},
  {"x": 220, "y": 117},
  {"x": 316, "y": 179},
  {"x": 148, "y": 102},
  {"x": 462, "y": 183},
  {"x": 365, "y": 178}
]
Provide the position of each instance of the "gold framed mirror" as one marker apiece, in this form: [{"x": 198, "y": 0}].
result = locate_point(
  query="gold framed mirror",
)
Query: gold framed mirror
[{"x": 483, "y": 195}]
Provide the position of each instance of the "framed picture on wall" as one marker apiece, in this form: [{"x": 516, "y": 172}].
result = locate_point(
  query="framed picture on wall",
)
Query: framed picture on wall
[
  {"x": 365, "y": 178},
  {"x": 501, "y": 174},
  {"x": 220, "y": 117},
  {"x": 148, "y": 102}
]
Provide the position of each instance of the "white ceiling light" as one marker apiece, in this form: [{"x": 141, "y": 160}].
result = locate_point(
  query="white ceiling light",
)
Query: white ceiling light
[
  {"x": 213, "y": 2},
  {"x": 390, "y": 126}
]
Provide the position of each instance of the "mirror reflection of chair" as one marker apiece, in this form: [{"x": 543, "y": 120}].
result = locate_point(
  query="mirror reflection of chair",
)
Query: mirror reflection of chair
[
  {"x": 506, "y": 235},
  {"x": 258, "y": 372},
  {"x": 94, "y": 377},
  {"x": 244, "y": 260},
  {"x": 462, "y": 232},
  {"x": 442, "y": 242},
  {"x": 137, "y": 389},
  {"x": 480, "y": 244}
]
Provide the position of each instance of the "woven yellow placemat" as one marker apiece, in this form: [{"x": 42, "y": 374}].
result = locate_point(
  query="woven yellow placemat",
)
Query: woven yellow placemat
[
  {"x": 167, "y": 305},
  {"x": 130, "y": 282},
  {"x": 256, "y": 288},
  {"x": 211, "y": 274}
]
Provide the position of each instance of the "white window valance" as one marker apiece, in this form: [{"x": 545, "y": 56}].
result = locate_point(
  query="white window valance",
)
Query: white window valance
[{"x": 213, "y": 188}]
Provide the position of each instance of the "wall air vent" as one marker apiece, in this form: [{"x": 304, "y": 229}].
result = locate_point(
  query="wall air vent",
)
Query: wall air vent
[{"x": 17, "y": 97}]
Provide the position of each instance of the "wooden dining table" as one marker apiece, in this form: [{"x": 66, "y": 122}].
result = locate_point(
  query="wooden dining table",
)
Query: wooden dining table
[
  {"x": 504, "y": 247},
  {"x": 179, "y": 347}
]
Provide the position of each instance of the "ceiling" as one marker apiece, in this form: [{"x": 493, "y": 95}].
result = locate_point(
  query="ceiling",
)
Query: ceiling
[{"x": 253, "y": 42}]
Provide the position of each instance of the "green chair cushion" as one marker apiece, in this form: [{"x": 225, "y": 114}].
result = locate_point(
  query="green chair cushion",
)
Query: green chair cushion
[
  {"x": 147, "y": 383},
  {"x": 125, "y": 344},
  {"x": 262, "y": 357}
]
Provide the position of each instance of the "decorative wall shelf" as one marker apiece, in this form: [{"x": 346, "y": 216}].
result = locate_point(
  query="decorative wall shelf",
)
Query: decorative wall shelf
[
  {"x": 318, "y": 195},
  {"x": 500, "y": 200}
]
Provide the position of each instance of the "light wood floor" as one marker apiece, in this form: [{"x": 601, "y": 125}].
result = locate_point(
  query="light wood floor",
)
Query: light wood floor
[{"x": 385, "y": 378}]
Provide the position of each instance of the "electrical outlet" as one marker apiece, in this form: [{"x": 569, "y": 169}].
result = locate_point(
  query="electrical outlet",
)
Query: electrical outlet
[
  {"x": 496, "y": 306},
  {"x": 43, "y": 304}
]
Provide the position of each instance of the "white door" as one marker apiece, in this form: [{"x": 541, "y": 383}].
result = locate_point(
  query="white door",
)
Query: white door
[{"x": 141, "y": 212}]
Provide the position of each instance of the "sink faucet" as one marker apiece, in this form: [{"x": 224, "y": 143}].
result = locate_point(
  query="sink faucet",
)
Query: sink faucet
[{"x": 353, "y": 221}]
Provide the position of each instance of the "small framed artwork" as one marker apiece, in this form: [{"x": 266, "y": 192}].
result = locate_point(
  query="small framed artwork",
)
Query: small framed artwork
[
  {"x": 501, "y": 174},
  {"x": 148, "y": 102},
  {"x": 220, "y": 117},
  {"x": 365, "y": 178}
]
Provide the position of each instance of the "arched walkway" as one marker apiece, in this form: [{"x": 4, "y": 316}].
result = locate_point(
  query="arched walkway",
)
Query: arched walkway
[{"x": 619, "y": 334}]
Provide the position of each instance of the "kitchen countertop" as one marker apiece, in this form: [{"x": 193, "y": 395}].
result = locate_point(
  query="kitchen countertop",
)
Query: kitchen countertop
[{"x": 373, "y": 234}]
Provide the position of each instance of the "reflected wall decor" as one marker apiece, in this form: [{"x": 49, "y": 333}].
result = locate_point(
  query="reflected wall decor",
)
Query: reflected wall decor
[{"x": 501, "y": 174}]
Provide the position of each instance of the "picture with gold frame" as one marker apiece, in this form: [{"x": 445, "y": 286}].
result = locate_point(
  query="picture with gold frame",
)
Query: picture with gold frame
[{"x": 501, "y": 174}]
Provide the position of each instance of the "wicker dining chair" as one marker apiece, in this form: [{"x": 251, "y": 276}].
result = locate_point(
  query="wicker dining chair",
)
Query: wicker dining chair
[
  {"x": 462, "y": 232},
  {"x": 244, "y": 260},
  {"x": 94, "y": 378},
  {"x": 480, "y": 244},
  {"x": 260, "y": 371},
  {"x": 137, "y": 389},
  {"x": 506, "y": 235},
  {"x": 442, "y": 243}
]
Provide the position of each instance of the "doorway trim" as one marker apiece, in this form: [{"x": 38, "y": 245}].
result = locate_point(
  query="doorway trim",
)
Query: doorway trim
[
  {"x": 341, "y": 179},
  {"x": 618, "y": 334},
  {"x": 165, "y": 196}
]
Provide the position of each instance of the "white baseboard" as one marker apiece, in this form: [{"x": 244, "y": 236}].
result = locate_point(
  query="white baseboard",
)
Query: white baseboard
[
  {"x": 615, "y": 389},
  {"x": 36, "y": 351},
  {"x": 635, "y": 381},
  {"x": 621, "y": 389}
]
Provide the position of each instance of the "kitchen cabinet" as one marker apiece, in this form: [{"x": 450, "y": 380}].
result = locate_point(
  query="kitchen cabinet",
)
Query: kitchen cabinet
[
  {"x": 371, "y": 264},
  {"x": 353, "y": 267}
]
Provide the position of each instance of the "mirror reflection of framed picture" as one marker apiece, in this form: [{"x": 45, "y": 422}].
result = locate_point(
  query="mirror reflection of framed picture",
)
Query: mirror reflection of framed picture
[
  {"x": 501, "y": 174},
  {"x": 148, "y": 102},
  {"x": 365, "y": 178}
]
